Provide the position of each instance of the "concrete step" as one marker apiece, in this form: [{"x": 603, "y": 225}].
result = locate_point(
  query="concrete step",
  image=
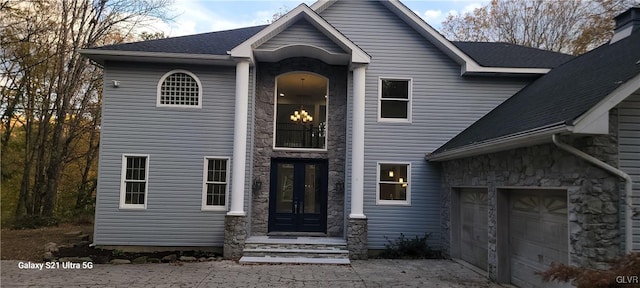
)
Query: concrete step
[
  {"x": 292, "y": 260},
  {"x": 292, "y": 253},
  {"x": 319, "y": 250}
]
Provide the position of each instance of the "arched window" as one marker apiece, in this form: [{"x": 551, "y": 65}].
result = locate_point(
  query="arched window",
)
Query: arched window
[{"x": 179, "y": 88}]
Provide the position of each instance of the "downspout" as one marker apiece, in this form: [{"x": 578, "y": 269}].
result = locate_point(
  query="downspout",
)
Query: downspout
[{"x": 627, "y": 187}]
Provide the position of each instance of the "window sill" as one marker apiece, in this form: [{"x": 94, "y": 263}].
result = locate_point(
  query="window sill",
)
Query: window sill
[
  {"x": 299, "y": 149},
  {"x": 132, "y": 208},
  {"x": 394, "y": 121},
  {"x": 392, "y": 203},
  {"x": 214, "y": 208}
]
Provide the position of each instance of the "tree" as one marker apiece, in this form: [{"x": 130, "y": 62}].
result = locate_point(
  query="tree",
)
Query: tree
[
  {"x": 278, "y": 14},
  {"x": 51, "y": 95},
  {"x": 145, "y": 36},
  {"x": 568, "y": 26}
]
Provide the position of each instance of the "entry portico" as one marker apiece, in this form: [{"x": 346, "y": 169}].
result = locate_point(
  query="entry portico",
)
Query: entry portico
[{"x": 301, "y": 44}]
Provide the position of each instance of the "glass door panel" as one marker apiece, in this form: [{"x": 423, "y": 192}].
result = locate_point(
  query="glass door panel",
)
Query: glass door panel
[{"x": 284, "y": 188}]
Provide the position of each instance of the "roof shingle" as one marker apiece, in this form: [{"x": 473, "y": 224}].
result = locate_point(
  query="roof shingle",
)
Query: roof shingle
[
  {"x": 497, "y": 54},
  {"x": 213, "y": 43},
  {"x": 562, "y": 95}
]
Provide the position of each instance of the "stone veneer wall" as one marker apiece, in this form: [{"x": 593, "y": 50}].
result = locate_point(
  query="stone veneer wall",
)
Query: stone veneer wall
[
  {"x": 263, "y": 139},
  {"x": 357, "y": 242},
  {"x": 593, "y": 194},
  {"x": 235, "y": 234}
]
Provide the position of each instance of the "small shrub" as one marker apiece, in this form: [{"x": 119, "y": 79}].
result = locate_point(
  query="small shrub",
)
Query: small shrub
[
  {"x": 627, "y": 266},
  {"x": 118, "y": 253},
  {"x": 34, "y": 221},
  {"x": 409, "y": 248}
]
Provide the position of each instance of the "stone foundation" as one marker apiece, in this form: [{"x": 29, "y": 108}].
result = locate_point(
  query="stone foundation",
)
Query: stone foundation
[
  {"x": 357, "y": 239},
  {"x": 235, "y": 234}
]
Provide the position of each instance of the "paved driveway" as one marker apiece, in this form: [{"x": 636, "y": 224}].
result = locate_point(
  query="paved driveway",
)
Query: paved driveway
[{"x": 372, "y": 273}]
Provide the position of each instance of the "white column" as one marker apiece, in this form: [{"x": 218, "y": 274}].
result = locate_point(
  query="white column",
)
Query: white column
[
  {"x": 240, "y": 139},
  {"x": 357, "y": 145}
]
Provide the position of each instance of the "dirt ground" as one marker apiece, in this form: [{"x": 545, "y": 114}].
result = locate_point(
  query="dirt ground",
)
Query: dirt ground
[{"x": 29, "y": 244}]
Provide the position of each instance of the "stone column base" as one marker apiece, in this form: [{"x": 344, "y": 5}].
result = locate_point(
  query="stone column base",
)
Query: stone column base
[
  {"x": 357, "y": 239},
  {"x": 235, "y": 233}
]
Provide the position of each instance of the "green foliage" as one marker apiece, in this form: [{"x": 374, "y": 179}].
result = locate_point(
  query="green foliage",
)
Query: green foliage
[
  {"x": 627, "y": 266},
  {"x": 118, "y": 253},
  {"x": 409, "y": 248},
  {"x": 34, "y": 221}
]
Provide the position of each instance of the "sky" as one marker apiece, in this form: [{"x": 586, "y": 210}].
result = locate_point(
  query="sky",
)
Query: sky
[{"x": 201, "y": 16}]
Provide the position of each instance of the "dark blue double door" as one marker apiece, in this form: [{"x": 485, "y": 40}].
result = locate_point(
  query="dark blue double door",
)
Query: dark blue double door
[{"x": 298, "y": 195}]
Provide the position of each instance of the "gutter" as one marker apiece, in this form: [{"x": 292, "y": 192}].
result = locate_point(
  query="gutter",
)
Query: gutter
[
  {"x": 98, "y": 55},
  {"x": 627, "y": 187},
  {"x": 527, "y": 138}
]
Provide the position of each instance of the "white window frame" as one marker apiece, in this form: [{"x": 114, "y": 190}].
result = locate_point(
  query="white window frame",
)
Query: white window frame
[
  {"x": 206, "y": 207},
  {"x": 164, "y": 77},
  {"x": 123, "y": 186},
  {"x": 409, "y": 99},
  {"x": 406, "y": 202}
]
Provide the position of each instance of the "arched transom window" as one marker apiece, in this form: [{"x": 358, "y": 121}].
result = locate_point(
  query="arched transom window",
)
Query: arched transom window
[{"x": 180, "y": 88}]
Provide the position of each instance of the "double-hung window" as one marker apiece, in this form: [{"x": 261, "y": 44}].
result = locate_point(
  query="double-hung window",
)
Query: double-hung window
[
  {"x": 394, "y": 187},
  {"x": 134, "y": 185},
  {"x": 394, "y": 100},
  {"x": 216, "y": 180}
]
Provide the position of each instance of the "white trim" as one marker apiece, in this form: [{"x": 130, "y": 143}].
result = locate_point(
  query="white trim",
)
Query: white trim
[
  {"x": 123, "y": 174},
  {"x": 245, "y": 49},
  {"x": 596, "y": 113},
  {"x": 164, "y": 77},
  {"x": 301, "y": 50},
  {"x": 205, "y": 169},
  {"x": 101, "y": 56},
  {"x": 409, "y": 100},
  {"x": 407, "y": 201},
  {"x": 275, "y": 115},
  {"x": 521, "y": 139}
]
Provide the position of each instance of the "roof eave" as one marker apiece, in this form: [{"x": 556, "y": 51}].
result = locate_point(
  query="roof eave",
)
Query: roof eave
[
  {"x": 598, "y": 112},
  {"x": 100, "y": 56},
  {"x": 528, "y": 138},
  {"x": 470, "y": 69}
]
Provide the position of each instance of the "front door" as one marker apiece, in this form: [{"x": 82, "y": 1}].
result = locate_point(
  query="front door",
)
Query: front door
[{"x": 298, "y": 196}]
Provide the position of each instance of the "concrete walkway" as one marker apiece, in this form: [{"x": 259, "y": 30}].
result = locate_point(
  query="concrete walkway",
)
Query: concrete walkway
[{"x": 371, "y": 273}]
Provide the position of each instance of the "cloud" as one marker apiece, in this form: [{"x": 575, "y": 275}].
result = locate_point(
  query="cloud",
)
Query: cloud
[
  {"x": 470, "y": 7},
  {"x": 434, "y": 16}
]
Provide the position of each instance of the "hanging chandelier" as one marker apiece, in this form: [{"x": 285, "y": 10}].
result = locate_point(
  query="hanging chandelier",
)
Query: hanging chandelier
[{"x": 301, "y": 116}]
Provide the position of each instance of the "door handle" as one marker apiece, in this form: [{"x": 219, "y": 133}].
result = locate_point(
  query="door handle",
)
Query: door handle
[{"x": 295, "y": 207}]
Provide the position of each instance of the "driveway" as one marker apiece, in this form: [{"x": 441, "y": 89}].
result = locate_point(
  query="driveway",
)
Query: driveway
[{"x": 371, "y": 273}]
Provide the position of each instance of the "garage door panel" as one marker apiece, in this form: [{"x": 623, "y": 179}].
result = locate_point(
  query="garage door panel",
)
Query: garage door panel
[
  {"x": 537, "y": 234},
  {"x": 473, "y": 227}
]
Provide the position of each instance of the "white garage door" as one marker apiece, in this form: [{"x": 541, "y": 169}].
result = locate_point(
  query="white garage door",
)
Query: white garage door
[
  {"x": 473, "y": 230},
  {"x": 538, "y": 235}
]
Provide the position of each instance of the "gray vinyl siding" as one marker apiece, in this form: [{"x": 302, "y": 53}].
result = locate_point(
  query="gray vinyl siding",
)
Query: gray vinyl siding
[
  {"x": 629, "y": 145},
  {"x": 443, "y": 105},
  {"x": 301, "y": 32},
  {"x": 176, "y": 140}
]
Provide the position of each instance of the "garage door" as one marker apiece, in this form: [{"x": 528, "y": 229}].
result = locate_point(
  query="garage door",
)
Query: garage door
[
  {"x": 538, "y": 235},
  {"x": 473, "y": 222}
]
